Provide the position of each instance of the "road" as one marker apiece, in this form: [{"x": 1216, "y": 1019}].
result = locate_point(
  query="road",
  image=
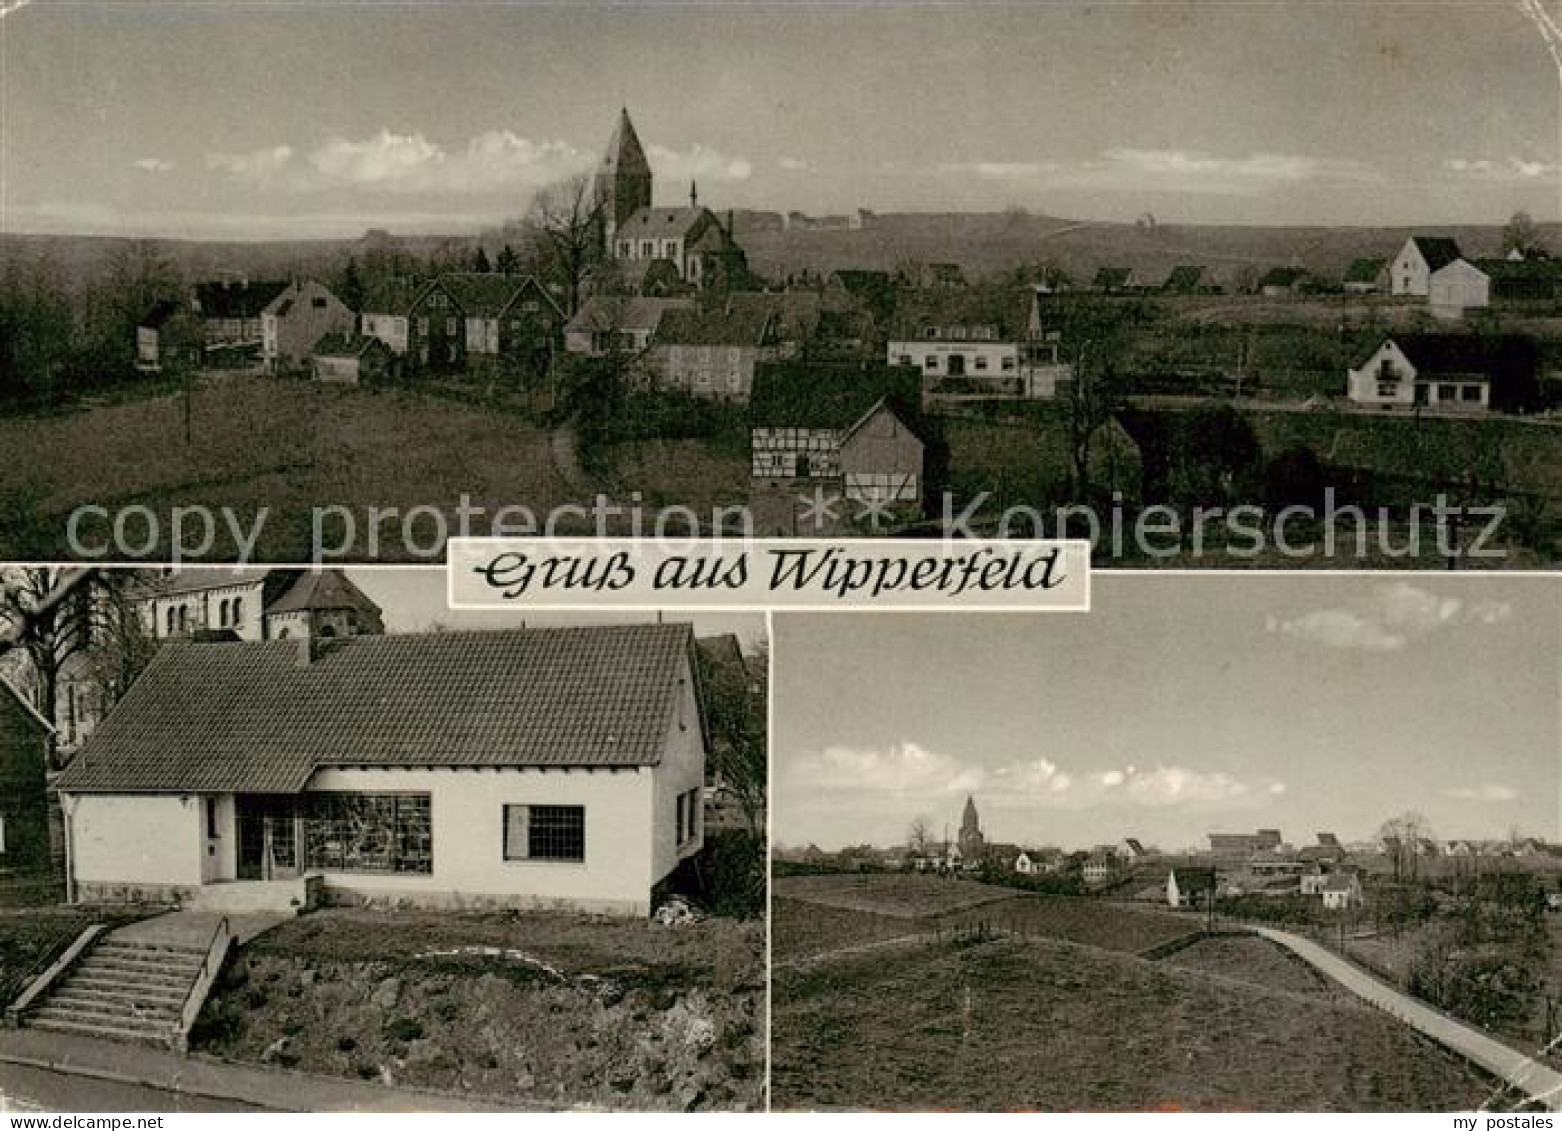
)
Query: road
[
  {"x": 26, "y": 1089},
  {"x": 1525, "y": 1074}
]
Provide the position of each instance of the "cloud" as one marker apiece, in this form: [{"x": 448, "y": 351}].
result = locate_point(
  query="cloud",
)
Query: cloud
[
  {"x": 153, "y": 165},
  {"x": 1489, "y": 792},
  {"x": 9, "y": 6},
  {"x": 1388, "y": 619},
  {"x": 698, "y": 163},
  {"x": 1513, "y": 169},
  {"x": 909, "y": 776},
  {"x": 256, "y": 166},
  {"x": 1125, "y": 168},
  {"x": 794, "y": 164},
  {"x": 1339, "y": 628},
  {"x": 391, "y": 162}
]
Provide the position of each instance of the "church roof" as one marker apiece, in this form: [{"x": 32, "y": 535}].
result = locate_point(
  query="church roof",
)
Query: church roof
[
  {"x": 652, "y": 223},
  {"x": 624, "y": 153},
  {"x": 323, "y": 589}
]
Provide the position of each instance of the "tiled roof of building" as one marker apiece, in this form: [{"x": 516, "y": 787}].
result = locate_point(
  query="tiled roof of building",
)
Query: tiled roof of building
[
  {"x": 685, "y": 327},
  {"x": 197, "y": 579},
  {"x": 659, "y": 223},
  {"x": 1007, "y": 309},
  {"x": 1184, "y": 277},
  {"x": 322, "y": 589},
  {"x": 1438, "y": 251},
  {"x": 235, "y": 300},
  {"x": 610, "y": 312},
  {"x": 487, "y": 294},
  {"x": 391, "y": 296},
  {"x": 1473, "y": 354},
  {"x": 255, "y": 717},
  {"x": 808, "y": 395}
]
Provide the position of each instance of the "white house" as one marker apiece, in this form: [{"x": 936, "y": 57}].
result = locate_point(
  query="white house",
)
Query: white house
[
  {"x": 977, "y": 344},
  {"x": 1341, "y": 891},
  {"x": 532, "y": 767},
  {"x": 1189, "y": 887},
  {"x": 1410, "y": 272},
  {"x": 1449, "y": 372},
  {"x": 1457, "y": 287}
]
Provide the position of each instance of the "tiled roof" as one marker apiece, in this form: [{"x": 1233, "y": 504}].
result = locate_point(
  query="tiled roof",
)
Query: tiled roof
[
  {"x": 253, "y": 717},
  {"x": 606, "y": 312},
  {"x": 391, "y": 296},
  {"x": 685, "y": 327},
  {"x": 195, "y": 580},
  {"x": 809, "y": 395},
  {"x": 322, "y": 589},
  {"x": 487, "y": 295},
  {"x": 655, "y": 223},
  {"x": 1487, "y": 355},
  {"x": 1438, "y": 251},
  {"x": 236, "y": 300}
]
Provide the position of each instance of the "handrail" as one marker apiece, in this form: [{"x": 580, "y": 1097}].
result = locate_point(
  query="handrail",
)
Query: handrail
[
  {"x": 59, "y": 960},
  {"x": 222, "y": 937}
]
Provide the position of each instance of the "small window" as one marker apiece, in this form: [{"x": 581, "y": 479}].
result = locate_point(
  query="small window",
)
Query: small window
[
  {"x": 211, "y": 818},
  {"x": 545, "y": 832},
  {"x": 931, "y": 361},
  {"x": 317, "y": 303}
]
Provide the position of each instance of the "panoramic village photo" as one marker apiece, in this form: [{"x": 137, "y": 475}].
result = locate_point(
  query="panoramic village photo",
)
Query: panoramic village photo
[
  {"x": 1222, "y": 844},
  {"x": 888, "y": 269},
  {"x": 304, "y": 840}
]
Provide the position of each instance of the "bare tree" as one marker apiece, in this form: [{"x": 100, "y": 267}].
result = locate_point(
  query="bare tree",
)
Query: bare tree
[
  {"x": 919, "y": 839},
  {"x": 567, "y": 217},
  {"x": 1401, "y": 838},
  {"x": 1522, "y": 234},
  {"x": 72, "y": 623}
]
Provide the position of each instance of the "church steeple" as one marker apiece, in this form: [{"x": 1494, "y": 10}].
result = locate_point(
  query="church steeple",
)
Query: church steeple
[
  {"x": 694, "y": 195},
  {"x": 623, "y": 181}
]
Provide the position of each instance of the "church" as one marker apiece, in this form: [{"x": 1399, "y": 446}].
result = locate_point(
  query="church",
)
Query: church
[{"x": 660, "y": 249}]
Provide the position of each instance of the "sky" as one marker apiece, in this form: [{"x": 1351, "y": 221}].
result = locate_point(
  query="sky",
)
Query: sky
[
  {"x": 1179, "y": 706},
  {"x": 290, "y": 119},
  {"x": 413, "y": 599}
]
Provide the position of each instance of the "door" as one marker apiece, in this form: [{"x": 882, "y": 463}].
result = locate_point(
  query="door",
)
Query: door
[
  {"x": 956, "y": 365},
  {"x": 268, "y": 838}
]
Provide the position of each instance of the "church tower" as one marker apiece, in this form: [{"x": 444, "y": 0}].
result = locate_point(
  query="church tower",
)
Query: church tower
[
  {"x": 623, "y": 181},
  {"x": 972, "y": 842}
]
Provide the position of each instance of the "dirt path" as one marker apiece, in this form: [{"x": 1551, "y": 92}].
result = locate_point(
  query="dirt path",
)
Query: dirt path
[
  {"x": 848, "y": 951},
  {"x": 1529, "y": 1076}
]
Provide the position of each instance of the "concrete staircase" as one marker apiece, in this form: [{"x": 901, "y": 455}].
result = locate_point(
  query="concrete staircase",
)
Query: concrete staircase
[{"x": 129, "y": 990}]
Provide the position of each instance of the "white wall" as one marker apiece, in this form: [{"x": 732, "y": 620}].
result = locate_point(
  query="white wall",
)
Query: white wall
[
  {"x": 1362, "y": 382},
  {"x": 467, "y": 813},
  {"x": 137, "y": 839},
  {"x": 682, "y": 768}
]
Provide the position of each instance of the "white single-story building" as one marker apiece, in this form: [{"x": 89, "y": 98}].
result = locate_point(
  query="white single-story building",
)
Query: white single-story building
[
  {"x": 1341, "y": 891},
  {"x": 1457, "y": 287},
  {"x": 558, "y": 767}
]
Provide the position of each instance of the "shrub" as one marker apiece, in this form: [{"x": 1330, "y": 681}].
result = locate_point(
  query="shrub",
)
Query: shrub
[{"x": 404, "y": 1029}]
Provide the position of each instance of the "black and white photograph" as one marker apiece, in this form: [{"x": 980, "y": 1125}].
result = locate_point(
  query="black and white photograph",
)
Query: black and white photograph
[
  {"x": 283, "y": 839},
  {"x": 1222, "y": 844},
  {"x": 1213, "y": 285}
]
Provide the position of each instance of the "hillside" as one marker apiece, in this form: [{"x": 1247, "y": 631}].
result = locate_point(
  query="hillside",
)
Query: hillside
[{"x": 1076, "y": 1028}]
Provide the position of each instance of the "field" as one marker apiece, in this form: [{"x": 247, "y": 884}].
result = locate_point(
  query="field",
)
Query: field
[
  {"x": 1078, "y": 1021},
  {"x": 902, "y": 896},
  {"x": 1078, "y": 1028},
  {"x": 547, "y": 1009},
  {"x": 263, "y": 445}
]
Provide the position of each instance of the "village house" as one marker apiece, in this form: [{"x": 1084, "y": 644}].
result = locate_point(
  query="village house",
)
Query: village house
[
  {"x": 1131, "y": 851},
  {"x": 1117, "y": 280},
  {"x": 1190, "y": 887},
  {"x": 712, "y": 353},
  {"x": 557, "y": 767},
  {"x": 350, "y": 359},
  {"x": 387, "y": 309},
  {"x": 1410, "y": 272},
  {"x": 1457, "y": 287},
  {"x": 26, "y": 869},
  {"x": 169, "y": 338},
  {"x": 852, "y": 427},
  {"x": 607, "y": 324},
  {"x": 1341, "y": 891},
  {"x": 297, "y": 318},
  {"x": 1367, "y": 276},
  {"x": 1099, "y": 868},
  {"x": 510, "y": 316},
  {"x": 230, "y": 313},
  {"x": 1243, "y": 845},
  {"x": 979, "y": 343},
  {"x": 436, "y": 329},
  {"x": 1457, "y": 372}
]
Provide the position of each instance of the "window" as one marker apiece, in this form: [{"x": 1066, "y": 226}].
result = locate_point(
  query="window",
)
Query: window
[
  {"x": 317, "y": 303},
  {"x": 238, "y": 609},
  {"x": 1008, "y": 364},
  {"x": 545, "y": 832},
  {"x": 451, "y": 325},
  {"x": 368, "y": 832},
  {"x": 211, "y": 818},
  {"x": 1470, "y": 393},
  {"x": 172, "y": 613},
  {"x": 1388, "y": 389},
  {"x": 981, "y": 361},
  {"x": 688, "y": 806},
  {"x": 930, "y": 362},
  {"x": 904, "y": 359}
]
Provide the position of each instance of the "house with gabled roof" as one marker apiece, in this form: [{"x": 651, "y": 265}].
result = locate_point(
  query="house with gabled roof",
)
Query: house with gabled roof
[
  {"x": 624, "y": 324},
  {"x": 1188, "y": 279},
  {"x": 978, "y": 343},
  {"x": 1448, "y": 372},
  {"x": 553, "y": 767},
  {"x": 298, "y": 317},
  {"x": 387, "y": 311},
  {"x": 1410, "y": 272},
  {"x": 712, "y": 352},
  {"x": 230, "y": 312},
  {"x": 1280, "y": 281},
  {"x": 505, "y": 315}
]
